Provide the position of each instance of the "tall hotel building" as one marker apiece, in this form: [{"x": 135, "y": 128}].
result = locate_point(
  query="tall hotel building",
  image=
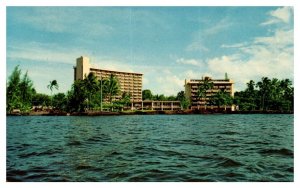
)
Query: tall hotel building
[
  {"x": 129, "y": 82},
  {"x": 192, "y": 85}
]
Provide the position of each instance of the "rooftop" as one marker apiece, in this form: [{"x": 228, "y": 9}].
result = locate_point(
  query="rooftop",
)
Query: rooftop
[{"x": 95, "y": 69}]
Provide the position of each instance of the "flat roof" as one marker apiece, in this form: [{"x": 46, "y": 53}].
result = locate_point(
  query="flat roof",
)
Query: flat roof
[
  {"x": 196, "y": 81},
  {"x": 115, "y": 71}
]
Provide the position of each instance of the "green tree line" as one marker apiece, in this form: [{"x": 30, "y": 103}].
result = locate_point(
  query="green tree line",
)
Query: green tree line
[
  {"x": 85, "y": 94},
  {"x": 266, "y": 94},
  {"x": 92, "y": 93}
]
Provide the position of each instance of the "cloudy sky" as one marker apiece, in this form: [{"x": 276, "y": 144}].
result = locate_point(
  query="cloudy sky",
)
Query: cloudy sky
[{"x": 166, "y": 44}]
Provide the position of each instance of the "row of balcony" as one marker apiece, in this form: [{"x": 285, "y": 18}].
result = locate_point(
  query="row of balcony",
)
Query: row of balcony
[
  {"x": 212, "y": 91},
  {"x": 214, "y": 87},
  {"x": 121, "y": 77}
]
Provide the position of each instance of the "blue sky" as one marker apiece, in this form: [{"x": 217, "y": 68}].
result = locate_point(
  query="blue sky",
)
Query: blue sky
[{"x": 166, "y": 44}]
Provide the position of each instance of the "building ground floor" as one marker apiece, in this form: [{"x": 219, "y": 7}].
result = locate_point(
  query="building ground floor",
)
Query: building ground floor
[
  {"x": 154, "y": 105},
  {"x": 212, "y": 107}
]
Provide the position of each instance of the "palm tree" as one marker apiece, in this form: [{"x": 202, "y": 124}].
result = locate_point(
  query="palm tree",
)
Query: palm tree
[
  {"x": 203, "y": 88},
  {"x": 251, "y": 92},
  {"x": 77, "y": 96},
  {"x": 91, "y": 86},
  {"x": 287, "y": 93},
  {"x": 222, "y": 98},
  {"x": 264, "y": 88},
  {"x": 111, "y": 87},
  {"x": 52, "y": 84}
]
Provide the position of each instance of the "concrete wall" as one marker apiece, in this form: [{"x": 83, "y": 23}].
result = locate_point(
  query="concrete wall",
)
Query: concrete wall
[{"x": 82, "y": 68}]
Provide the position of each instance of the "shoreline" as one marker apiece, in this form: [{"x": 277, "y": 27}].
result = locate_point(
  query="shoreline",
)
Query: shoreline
[{"x": 158, "y": 112}]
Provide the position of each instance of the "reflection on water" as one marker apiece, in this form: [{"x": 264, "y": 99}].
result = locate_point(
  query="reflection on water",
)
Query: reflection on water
[{"x": 151, "y": 148}]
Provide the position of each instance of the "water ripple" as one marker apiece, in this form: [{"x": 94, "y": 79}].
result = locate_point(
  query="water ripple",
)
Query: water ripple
[{"x": 192, "y": 148}]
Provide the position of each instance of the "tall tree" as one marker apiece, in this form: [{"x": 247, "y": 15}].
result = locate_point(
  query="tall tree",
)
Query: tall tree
[
  {"x": 19, "y": 91},
  {"x": 91, "y": 87},
  {"x": 251, "y": 93},
  {"x": 226, "y": 76},
  {"x": 52, "y": 84},
  {"x": 184, "y": 101},
  {"x": 76, "y": 97},
  {"x": 267, "y": 94},
  {"x": 203, "y": 88},
  {"x": 60, "y": 101},
  {"x": 222, "y": 98},
  {"x": 111, "y": 87},
  {"x": 26, "y": 89},
  {"x": 41, "y": 100},
  {"x": 13, "y": 90},
  {"x": 264, "y": 89}
]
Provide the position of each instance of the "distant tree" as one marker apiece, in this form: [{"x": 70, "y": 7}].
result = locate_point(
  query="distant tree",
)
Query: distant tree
[
  {"x": 19, "y": 91},
  {"x": 76, "y": 97},
  {"x": 251, "y": 93},
  {"x": 203, "y": 88},
  {"x": 42, "y": 100},
  {"x": 27, "y": 91},
  {"x": 162, "y": 97},
  {"x": 124, "y": 101},
  {"x": 267, "y": 94},
  {"x": 226, "y": 76},
  {"x": 60, "y": 101},
  {"x": 111, "y": 87},
  {"x": 91, "y": 86},
  {"x": 147, "y": 94},
  {"x": 221, "y": 98},
  {"x": 52, "y": 85},
  {"x": 13, "y": 90},
  {"x": 184, "y": 101},
  {"x": 180, "y": 95},
  {"x": 171, "y": 98},
  {"x": 264, "y": 90}
]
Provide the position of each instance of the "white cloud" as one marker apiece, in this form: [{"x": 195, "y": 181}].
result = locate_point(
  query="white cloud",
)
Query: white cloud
[
  {"x": 167, "y": 84},
  {"x": 194, "y": 62},
  {"x": 237, "y": 45},
  {"x": 281, "y": 38},
  {"x": 270, "y": 56},
  {"x": 279, "y": 15}
]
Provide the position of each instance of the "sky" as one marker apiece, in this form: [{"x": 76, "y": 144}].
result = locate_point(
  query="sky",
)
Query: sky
[{"x": 166, "y": 44}]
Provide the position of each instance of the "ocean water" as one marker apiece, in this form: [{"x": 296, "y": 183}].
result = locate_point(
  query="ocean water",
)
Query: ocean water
[{"x": 143, "y": 148}]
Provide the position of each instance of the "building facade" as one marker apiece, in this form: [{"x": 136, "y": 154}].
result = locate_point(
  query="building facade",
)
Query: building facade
[
  {"x": 129, "y": 82},
  {"x": 192, "y": 86},
  {"x": 156, "y": 105}
]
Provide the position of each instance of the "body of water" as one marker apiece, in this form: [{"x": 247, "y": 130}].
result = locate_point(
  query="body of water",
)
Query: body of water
[{"x": 151, "y": 148}]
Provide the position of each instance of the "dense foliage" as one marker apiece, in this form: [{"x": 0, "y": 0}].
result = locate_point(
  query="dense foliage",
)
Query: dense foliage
[
  {"x": 19, "y": 91},
  {"x": 266, "y": 94},
  {"x": 91, "y": 93},
  {"x": 94, "y": 94}
]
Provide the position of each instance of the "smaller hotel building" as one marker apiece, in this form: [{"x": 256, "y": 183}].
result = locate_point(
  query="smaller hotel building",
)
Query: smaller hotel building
[
  {"x": 129, "y": 82},
  {"x": 191, "y": 89}
]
